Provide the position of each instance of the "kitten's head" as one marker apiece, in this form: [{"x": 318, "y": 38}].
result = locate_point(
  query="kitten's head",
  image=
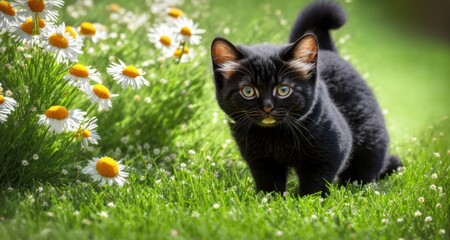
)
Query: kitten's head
[{"x": 265, "y": 84}]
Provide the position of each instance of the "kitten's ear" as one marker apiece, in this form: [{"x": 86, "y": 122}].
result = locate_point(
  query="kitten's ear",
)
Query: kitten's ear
[
  {"x": 223, "y": 51},
  {"x": 305, "y": 49}
]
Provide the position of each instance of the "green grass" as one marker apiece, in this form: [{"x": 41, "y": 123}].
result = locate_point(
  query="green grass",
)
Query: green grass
[{"x": 208, "y": 193}]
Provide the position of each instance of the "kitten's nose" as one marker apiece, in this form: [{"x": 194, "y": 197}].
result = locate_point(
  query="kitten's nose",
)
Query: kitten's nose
[
  {"x": 267, "y": 109},
  {"x": 268, "y": 106}
]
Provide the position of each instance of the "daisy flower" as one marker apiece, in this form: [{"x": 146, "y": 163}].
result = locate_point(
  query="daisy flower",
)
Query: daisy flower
[
  {"x": 61, "y": 43},
  {"x": 59, "y": 119},
  {"x": 127, "y": 75},
  {"x": 188, "y": 31},
  {"x": 7, "y": 103},
  {"x": 80, "y": 74},
  {"x": 158, "y": 6},
  {"x": 8, "y": 15},
  {"x": 88, "y": 133},
  {"x": 24, "y": 32},
  {"x": 94, "y": 31},
  {"x": 174, "y": 12},
  {"x": 100, "y": 94},
  {"x": 164, "y": 38},
  {"x": 42, "y": 8},
  {"x": 106, "y": 171}
]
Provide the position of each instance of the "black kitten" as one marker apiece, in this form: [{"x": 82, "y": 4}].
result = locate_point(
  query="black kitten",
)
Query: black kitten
[{"x": 302, "y": 106}]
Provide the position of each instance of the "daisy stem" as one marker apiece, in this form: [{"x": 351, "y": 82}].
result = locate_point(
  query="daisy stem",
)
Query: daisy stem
[
  {"x": 36, "y": 28},
  {"x": 182, "y": 45}
]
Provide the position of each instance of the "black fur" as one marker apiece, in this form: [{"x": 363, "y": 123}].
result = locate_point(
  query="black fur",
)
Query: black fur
[
  {"x": 329, "y": 128},
  {"x": 319, "y": 17}
]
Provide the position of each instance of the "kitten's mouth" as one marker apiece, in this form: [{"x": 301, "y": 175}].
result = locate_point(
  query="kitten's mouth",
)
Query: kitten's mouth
[{"x": 268, "y": 121}]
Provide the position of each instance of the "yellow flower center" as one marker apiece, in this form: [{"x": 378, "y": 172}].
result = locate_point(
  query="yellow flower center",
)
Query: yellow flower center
[
  {"x": 177, "y": 52},
  {"x": 175, "y": 12},
  {"x": 186, "y": 31},
  {"x": 131, "y": 71},
  {"x": 57, "y": 112},
  {"x": 58, "y": 40},
  {"x": 86, "y": 133},
  {"x": 114, "y": 7},
  {"x": 71, "y": 31},
  {"x": 7, "y": 8},
  {"x": 79, "y": 70},
  {"x": 165, "y": 40},
  {"x": 27, "y": 26},
  {"x": 107, "y": 167},
  {"x": 2, "y": 99},
  {"x": 101, "y": 91},
  {"x": 36, "y": 5},
  {"x": 87, "y": 28}
]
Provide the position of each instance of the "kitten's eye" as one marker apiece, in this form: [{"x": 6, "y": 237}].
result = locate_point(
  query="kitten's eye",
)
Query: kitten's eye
[
  {"x": 283, "y": 90},
  {"x": 248, "y": 92}
]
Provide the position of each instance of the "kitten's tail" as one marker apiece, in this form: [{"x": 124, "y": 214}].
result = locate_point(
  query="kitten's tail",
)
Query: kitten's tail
[{"x": 319, "y": 17}]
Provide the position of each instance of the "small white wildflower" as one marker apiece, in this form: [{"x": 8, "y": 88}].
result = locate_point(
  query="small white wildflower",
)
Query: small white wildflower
[
  {"x": 400, "y": 220},
  {"x": 173, "y": 233},
  {"x": 278, "y": 233},
  {"x": 216, "y": 206},
  {"x": 314, "y": 216},
  {"x": 264, "y": 200},
  {"x": 417, "y": 214},
  {"x": 428, "y": 219},
  {"x": 433, "y": 187},
  {"x": 156, "y": 151},
  {"x": 76, "y": 213},
  {"x": 50, "y": 214},
  {"x": 421, "y": 199},
  {"x": 442, "y": 231},
  {"x": 25, "y": 163},
  {"x": 86, "y": 221},
  {"x": 64, "y": 172},
  {"x": 436, "y": 154},
  {"x": 111, "y": 205},
  {"x": 385, "y": 220},
  {"x": 146, "y": 146},
  {"x": 191, "y": 151},
  {"x": 35, "y": 156},
  {"x": 438, "y": 205},
  {"x": 195, "y": 214},
  {"x": 103, "y": 214},
  {"x": 434, "y": 175}
]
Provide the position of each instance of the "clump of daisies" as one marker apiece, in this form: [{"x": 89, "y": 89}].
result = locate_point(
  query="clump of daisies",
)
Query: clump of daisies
[{"x": 176, "y": 35}]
